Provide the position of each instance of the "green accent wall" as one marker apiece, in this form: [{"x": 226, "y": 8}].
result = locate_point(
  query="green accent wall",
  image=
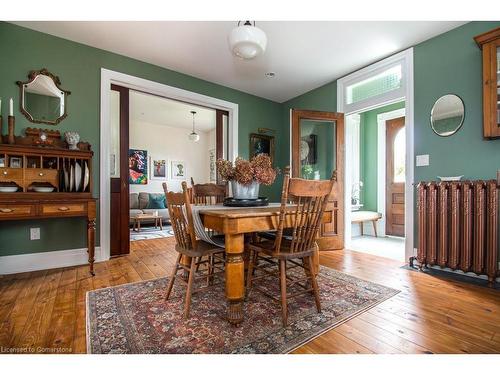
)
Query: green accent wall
[
  {"x": 369, "y": 154},
  {"x": 448, "y": 63},
  {"x": 79, "y": 68}
]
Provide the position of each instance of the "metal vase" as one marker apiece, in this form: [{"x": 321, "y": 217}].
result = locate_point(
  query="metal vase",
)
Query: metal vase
[{"x": 250, "y": 191}]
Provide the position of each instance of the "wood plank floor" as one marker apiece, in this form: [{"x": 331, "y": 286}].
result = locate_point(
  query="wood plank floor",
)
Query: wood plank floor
[{"x": 46, "y": 309}]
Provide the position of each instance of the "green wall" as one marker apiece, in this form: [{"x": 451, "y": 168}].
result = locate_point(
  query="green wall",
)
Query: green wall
[
  {"x": 78, "y": 66},
  {"x": 369, "y": 154},
  {"x": 448, "y": 63}
]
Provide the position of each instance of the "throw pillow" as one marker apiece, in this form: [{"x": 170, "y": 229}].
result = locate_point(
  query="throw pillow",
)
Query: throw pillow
[{"x": 156, "y": 201}]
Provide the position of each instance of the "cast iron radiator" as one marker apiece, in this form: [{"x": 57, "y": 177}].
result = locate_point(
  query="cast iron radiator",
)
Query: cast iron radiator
[{"x": 458, "y": 226}]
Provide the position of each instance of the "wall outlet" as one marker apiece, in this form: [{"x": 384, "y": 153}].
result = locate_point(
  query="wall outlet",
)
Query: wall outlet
[
  {"x": 422, "y": 160},
  {"x": 34, "y": 234}
]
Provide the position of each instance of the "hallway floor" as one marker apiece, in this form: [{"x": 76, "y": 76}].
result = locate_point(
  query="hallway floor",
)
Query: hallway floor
[{"x": 386, "y": 247}]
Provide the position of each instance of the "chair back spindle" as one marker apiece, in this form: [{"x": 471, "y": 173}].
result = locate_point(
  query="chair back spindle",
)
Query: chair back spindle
[
  {"x": 309, "y": 200},
  {"x": 207, "y": 194},
  {"x": 181, "y": 216}
]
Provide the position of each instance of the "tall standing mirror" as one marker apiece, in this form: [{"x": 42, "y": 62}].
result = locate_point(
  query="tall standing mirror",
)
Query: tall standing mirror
[
  {"x": 42, "y": 100},
  {"x": 447, "y": 115}
]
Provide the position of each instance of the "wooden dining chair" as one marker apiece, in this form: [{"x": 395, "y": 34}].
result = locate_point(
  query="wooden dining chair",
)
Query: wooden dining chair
[
  {"x": 210, "y": 193},
  {"x": 193, "y": 252},
  {"x": 295, "y": 248}
]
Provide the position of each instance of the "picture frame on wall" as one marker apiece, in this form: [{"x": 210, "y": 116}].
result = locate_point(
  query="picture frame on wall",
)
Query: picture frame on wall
[
  {"x": 262, "y": 144},
  {"x": 138, "y": 167},
  {"x": 212, "y": 159},
  {"x": 158, "y": 169},
  {"x": 178, "y": 170}
]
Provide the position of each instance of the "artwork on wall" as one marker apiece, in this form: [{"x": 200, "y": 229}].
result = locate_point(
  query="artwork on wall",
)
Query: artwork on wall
[
  {"x": 178, "y": 170},
  {"x": 138, "y": 167},
  {"x": 158, "y": 169},
  {"x": 308, "y": 150},
  {"x": 211, "y": 159},
  {"x": 262, "y": 144}
]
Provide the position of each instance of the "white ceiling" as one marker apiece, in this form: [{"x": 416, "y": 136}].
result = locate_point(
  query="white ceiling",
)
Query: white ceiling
[
  {"x": 304, "y": 55},
  {"x": 157, "y": 110}
]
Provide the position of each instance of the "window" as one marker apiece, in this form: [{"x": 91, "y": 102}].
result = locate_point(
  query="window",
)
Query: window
[
  {"x": 353, "y": 126},
  {"x": 381, "y": 83},
  {"x": 399, "y": 155}
]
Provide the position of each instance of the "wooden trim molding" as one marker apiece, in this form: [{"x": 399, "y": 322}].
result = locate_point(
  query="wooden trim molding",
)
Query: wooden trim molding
[
  {"x": 10, "y": 264},
  {"x": 487, "y": 37}
]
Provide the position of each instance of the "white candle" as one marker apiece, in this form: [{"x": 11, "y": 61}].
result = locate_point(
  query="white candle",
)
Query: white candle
[
  {"x": 0, "y": 106},
  {"x": 11, "y": 107}
]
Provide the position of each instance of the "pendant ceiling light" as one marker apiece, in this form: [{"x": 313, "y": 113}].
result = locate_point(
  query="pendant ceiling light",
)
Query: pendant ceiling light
[
  {"x": 247, "y": 41},
  {"x": 193, "y": 136}
]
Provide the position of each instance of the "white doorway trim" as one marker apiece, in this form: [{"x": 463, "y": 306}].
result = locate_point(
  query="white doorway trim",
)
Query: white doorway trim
[
  {"x": 109, "y": 77},
  {"x": 381, "y": 163},
  {"x": 406, "y": 94}
]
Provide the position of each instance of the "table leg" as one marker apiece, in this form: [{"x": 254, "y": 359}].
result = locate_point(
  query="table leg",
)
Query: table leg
[
  {"x": 361, "y": 227},
  {"x": 91, "y": 244},
  {"x": 186, "y": 261},
  {"x": 138, "y": 225},
  {"x": 235, "y": 271},
  {"x": 161, "y": 223}
]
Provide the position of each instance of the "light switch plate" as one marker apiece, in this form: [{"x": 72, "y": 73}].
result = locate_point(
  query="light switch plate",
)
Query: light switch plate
[
  {"x": 34, "y": 234},
  {"x": 422, "y": 160}
]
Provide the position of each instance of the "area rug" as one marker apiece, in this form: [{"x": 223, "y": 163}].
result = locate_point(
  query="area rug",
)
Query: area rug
[
  {"x": 149, "y": 233},
  {"x": 135, "y": 318}
]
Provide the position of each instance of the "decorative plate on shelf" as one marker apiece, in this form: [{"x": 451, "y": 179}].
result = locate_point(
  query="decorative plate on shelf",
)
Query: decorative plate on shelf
[
  {"x": 86, "y": 177},
  {"x": 8, "y": 189},
  {"x": 78, "y": 176},
  {"x": 71, "y": 178},
  {"x": 43, "y": 189}
]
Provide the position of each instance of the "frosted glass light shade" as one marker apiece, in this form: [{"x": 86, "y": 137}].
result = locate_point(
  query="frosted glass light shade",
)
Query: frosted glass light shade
[
  {"x": 247, "y": 41},
  {"x": 194, "y": 137}
]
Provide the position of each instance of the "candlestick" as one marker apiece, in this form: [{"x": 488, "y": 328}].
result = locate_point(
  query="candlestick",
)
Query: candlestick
[
  {"x": 11, "y": 107},
  {"x": 0, "y": 106},
  {"x": 1, "y": 127},
  {"x": 10, "y": 138}
]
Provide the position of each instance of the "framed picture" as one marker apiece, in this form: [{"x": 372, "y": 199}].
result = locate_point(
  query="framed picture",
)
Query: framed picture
[
  {"x": 211, "y": 160},
  {"x": 138, "y": 167},
  {"x": 16, "y": 162},
  {"x": 262, "y": 144},
  {"x": 308, "y": 149},
  {"x": 158, "y": 169},
  {"x": 2, "y": 162},
  {"x": 178, "y": 170}
]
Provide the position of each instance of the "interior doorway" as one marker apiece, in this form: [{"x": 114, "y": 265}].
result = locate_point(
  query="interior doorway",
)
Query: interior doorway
[
  {"x": 376, "y": 151},
  {"x": 375, "y": 89}
]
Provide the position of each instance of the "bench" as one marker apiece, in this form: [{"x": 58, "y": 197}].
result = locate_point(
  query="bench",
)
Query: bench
[{"x": 362, "y": 216}]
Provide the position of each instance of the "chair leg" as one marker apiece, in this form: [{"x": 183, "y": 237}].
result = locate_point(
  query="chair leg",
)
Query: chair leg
[
  {"x": 192, "y": 271},
  {"x": 284, "y": 307},
  {"x": 251, "y": 265},
  {"x": 314, "y": 284},
  {"x": 172, "y": 276}
]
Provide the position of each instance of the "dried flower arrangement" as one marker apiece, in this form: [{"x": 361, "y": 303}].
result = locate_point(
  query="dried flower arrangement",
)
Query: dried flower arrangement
[{"x": 258, "y": 169}]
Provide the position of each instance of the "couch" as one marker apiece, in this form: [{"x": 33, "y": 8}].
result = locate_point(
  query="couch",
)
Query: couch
[{"x": 139, "y": 204}]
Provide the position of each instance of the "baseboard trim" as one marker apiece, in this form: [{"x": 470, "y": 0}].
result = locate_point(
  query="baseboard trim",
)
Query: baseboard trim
[{"x": 41, "y": 261}]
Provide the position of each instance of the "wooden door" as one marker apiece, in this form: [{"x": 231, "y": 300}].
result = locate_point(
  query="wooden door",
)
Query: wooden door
[
  {"x": 317, "y": 151},
  {"x": 395, "y": 177},
  {"x": 119, "y": 205}
]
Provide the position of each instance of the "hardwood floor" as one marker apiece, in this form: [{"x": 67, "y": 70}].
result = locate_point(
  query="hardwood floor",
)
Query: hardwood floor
[{"x": 46, "y": 309}]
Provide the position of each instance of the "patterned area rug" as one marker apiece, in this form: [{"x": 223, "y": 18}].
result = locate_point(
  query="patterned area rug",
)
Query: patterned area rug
[
  {"x": 149, "y": 233},
  {"x": 134, "y": 318}
]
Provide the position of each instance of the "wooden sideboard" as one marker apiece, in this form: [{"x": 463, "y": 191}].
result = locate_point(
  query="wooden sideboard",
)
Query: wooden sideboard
[{"x": 26, "y": 166}]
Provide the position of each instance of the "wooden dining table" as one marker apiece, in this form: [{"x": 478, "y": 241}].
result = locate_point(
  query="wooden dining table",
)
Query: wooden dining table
[{"x": 234, "y": 224}]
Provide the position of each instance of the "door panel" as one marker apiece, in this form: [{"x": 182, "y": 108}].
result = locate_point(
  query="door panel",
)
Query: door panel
[
  {"x": 395, "y": 177},
  {"x": 119, "y": 202},
  {"x": 317, "y": 152}
]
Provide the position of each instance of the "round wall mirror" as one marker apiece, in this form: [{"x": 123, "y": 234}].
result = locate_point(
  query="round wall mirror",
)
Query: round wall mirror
[{"x": 447, "y": 115}]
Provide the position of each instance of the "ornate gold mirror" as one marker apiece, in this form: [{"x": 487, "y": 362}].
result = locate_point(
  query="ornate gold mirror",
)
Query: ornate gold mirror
[{"x": 42, "y": 100}]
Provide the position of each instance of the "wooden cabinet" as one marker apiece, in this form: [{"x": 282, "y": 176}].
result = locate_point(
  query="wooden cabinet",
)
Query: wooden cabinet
[
  {"x": 68, "y": 173},
  {"x": 489, "y": 42}
]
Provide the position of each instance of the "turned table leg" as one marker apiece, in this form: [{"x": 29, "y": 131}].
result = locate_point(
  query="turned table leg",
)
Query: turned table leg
[
  {"x": 375, "y": 227},
  {"x": 91, "y": 244},
  {"x": 235, "y": 271}
]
